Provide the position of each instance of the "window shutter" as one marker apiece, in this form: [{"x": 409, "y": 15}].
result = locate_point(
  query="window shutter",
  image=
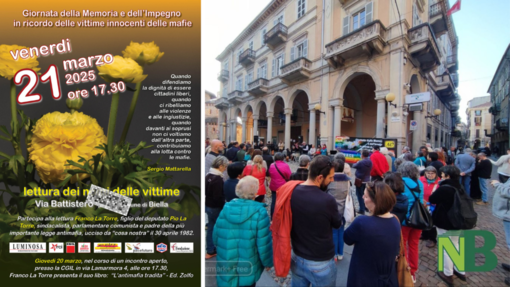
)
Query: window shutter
[
  {"x": 258, "y": 73},
  {"x": 273, "y": 66},
  {"x": 283, "y": 59},
  {"x": 369, "y": 12},
  {"x": 246, "y": 79},
  {"x": 305, "y": 49},
  {"x": 345, "y": 26},
  {"x": 292, "y": 53}
]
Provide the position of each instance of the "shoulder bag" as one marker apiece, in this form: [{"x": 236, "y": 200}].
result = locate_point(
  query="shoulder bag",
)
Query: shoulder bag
[
  {"x": 276, "y": 166},
  {"x": 403, "y": 268},
  {"x": 419, "y": 217}
]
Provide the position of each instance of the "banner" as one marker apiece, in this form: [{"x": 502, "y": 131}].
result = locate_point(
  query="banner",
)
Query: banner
[{"x": 352, "y": 147}]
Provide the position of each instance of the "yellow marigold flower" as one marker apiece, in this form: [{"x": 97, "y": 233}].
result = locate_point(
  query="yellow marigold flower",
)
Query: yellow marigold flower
[
  {"x": 122, "y": 69},
  {"x": 145, "y": 53},
  {"x": 9, "y": 67},
  {"x": 58, "y": 137}
]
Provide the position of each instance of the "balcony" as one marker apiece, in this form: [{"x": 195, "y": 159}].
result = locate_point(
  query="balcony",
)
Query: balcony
[
  {"x": 502, "y": 124},
  {"x": 223, "y": 76},
  {"x": 236, "y": 97},
  {"x": 366, "y": 40},
  {"x": 221, "y": 103},
  {"x": 455, "y": 79},
  {"x": 423, "y": 48},
  {"x": 445, "y": 87},
  {"x": 247, "y": 58},
  {"x": 258, "y": 87},
  {"x": 437, "y": 18},
  {"x": 452, "y": 63},
  {"x": 296, "y": 70},
  {"x": 276, "y": 36}
]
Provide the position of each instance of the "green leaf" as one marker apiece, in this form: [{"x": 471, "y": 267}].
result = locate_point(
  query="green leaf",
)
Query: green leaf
[
  {"x": 175, "y": 206},
  {"x": 189, "y": 205},
  {"x": 4, "y": 130},
  {"x": 87, "y": 211}
]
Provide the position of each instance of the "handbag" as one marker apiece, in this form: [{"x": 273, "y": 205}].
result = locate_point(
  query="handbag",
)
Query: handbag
[
  {"x": 403, "y": 269},
  {"x": 358, "y": 182},
  {"x": 419, "y": 217},
  {"x": 349, "y": 208}
]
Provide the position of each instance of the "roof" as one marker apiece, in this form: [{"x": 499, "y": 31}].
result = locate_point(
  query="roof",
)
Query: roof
[
  {"x": 507, "y": 52},
  {"x": 261, "y": 17},
  {"x": 484, "y": 105},
  {"x": 211, "y": 95}
]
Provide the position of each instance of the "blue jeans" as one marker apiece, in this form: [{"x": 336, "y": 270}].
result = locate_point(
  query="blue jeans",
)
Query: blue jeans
[
  {"x": 212, "y": 215},
  {"x": 359, "y": 194},
  {"x": 317, "y": 273},
  {"x": 484, "y": 187},
  {"x": 506, "y": 224},
  {"x": 338, "y": 239},
  {"x": 465, "y": 181}
]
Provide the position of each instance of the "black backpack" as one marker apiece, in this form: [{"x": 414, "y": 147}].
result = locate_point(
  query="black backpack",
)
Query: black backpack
[
  {"x": 462, "y": 215},
  {"x": 419, "y": 216}
]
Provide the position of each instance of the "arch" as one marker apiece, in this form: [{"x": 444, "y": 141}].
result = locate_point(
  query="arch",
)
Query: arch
[
  {"x": 247, "y": 108},
  {"x": 270, "y": 107},
  {"x": 222, "y": 117},
  {"x": 258, "y": 107},
  {"x": 342, "y": 82},
  {"x": 414, "y": 81},
  {"x": 295, "y": 91}
]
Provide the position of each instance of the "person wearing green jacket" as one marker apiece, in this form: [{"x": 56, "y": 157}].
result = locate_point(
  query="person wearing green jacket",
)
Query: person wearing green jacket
[
  {"x": 241, "y": 153},
  {"x": 242, "y": 238}
]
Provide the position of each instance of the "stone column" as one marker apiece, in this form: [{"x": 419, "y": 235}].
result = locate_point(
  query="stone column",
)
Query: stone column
[
  {"x": 233, "y": 133},
  {"x": 381, "y": 113},
  {"x": 312, "y": 126},
  {"x": 221, "y": 133},
  {"x": 288, "y": 113},
  {"x": 269, "y": 125},
  {"x": 255, "y": 126},
  {"x": 244, "y": 127},
  {"x": 337, "y": 120}
]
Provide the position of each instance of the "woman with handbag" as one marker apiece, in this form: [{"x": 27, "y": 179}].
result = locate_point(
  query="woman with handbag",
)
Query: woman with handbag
[
  {"x": 376, "y": 240},
  {"x": 413, "y": 191},
  {"x": 258, "y": 171},
  {"x": 339, "y": 189},
  {"x": 279, "y": 172}
]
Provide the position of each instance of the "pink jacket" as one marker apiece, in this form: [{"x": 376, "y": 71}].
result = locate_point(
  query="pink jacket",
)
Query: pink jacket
[{"x": 276, "y": 178}]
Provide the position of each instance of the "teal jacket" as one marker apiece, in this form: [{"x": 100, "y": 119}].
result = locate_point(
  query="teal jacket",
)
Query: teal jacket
[
  {"x": 243, "y": 242},
  {"x": 409, "y": 183}
]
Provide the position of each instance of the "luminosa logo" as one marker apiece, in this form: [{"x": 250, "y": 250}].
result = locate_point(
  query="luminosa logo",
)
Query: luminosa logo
[{"x": 464, "y": 257}]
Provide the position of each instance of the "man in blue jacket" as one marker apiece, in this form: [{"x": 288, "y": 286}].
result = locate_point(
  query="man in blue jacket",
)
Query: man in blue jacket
[{"x": 466, "y": 163}]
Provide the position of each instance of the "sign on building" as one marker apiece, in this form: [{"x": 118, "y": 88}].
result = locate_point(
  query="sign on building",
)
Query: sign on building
[
  {"x": 413, "y": 125},
  {"x": 352, "y": 147},
  {"x": 417, "y": 98}
]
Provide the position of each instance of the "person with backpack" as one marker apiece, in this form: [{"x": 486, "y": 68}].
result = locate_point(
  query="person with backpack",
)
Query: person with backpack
[
  {"x": 414, "y": 191},
  {"x": 444, "y": 199}
]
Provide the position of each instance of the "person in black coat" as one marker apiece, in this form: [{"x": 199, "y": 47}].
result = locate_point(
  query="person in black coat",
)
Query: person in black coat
[
  {"x": 432, "y": 161},
  {"x": 443, "y": 198},
  {"x": 268, "y": 158},
  {"x": 475, "y": 193}
]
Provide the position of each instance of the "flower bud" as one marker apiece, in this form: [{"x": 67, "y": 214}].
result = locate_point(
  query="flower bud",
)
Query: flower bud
[{"x": 74, "y": 104}]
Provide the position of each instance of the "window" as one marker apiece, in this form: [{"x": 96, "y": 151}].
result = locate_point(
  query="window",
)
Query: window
[
  {"x": 278, "y": 62},
  {"x": 299, "y": 51},
  {"x": 239, "y": 83},
  {"x": 279, "y": 19},
  {"x": 239, "y": 52},
  {"x": 416, "y": 15},
  {"x": 301, "y": 8},
  {"x": 225, "y": 65},
  {"x": 248, "y": 79},
  {"x": 478, "y": 121},
  {"x": 262, "y": 37},
  {"x": 358, "y": 19},
  {"x": 477, "y": 133},
  {"x": 262, "y": 71},
  {"x": 250, "y": 45},
  {"x": 478, "y": 113}
]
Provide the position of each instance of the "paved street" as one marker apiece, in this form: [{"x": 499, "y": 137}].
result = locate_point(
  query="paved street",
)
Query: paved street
[{"x": 426, "y": 275}]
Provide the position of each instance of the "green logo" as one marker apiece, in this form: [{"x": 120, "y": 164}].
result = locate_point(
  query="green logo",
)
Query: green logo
[{"x": 464, "y": 257}]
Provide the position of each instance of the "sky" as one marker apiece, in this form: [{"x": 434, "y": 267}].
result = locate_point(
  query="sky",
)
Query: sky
[{"x": 483, "y": 29}]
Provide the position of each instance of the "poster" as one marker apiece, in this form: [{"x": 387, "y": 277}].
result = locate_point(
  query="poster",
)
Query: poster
[
  {"x": 352, "y": 147},
  {"x": 97, "y": 148}
]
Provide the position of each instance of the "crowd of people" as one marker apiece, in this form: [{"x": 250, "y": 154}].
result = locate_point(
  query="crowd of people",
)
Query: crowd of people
[{"x": 310, "y": 208}]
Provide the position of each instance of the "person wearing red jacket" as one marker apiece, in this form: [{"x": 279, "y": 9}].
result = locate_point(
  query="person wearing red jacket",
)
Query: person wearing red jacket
[{"x": 379, "y": 164}]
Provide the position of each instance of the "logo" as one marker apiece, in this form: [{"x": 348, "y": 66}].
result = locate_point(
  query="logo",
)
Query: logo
[
  {"x": 107, "y": 247},
  {"x": 70, "y": 247},
  {"x": 83, "y": 247},
  {"x": 29, "y": 247},
  {"x": 139, "y": 247},
  {"x": 56, "y": 247},
  {"x": 464, "y": 256},
  {"x": 389, "y": 144},
  {"x": 181, "y": 247},
  {"x": 162, "y": 248}
]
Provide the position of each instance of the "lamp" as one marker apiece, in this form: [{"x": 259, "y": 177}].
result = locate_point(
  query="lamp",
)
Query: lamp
[
  {"x": 224, "y": 124},
  {"x": 317, "y": 107},
  {"x": 390, "y": 98},
  {"x": 437, "y": 112}
]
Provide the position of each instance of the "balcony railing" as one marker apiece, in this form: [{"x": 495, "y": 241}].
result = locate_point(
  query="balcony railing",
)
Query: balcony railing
[
  {"x": 435, "y": 9},
  {"x": 247, "y": 57},
  {"x": 366, "y": 40},
  {"x": 276, "y": 36},
  {"x": 258, "y": 87},
  {"x": 423, "y": 48},
  {"x": 221, "y": 103},
  {"x": 452, "y": 62},
  {"x": 223, "y": 75},
  {"x": 437, "y": 18},
  {"x": 296, "y": 70},
  {"x": 236, "y": 97}
]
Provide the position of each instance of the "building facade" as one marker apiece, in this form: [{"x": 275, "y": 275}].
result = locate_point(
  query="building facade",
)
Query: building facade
[
  {"x": 479, "y": 122},
  {"x": 499, "y": 90},
  {"x": 310, "y": 70},
  {"x": 211, "y": 116}
]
